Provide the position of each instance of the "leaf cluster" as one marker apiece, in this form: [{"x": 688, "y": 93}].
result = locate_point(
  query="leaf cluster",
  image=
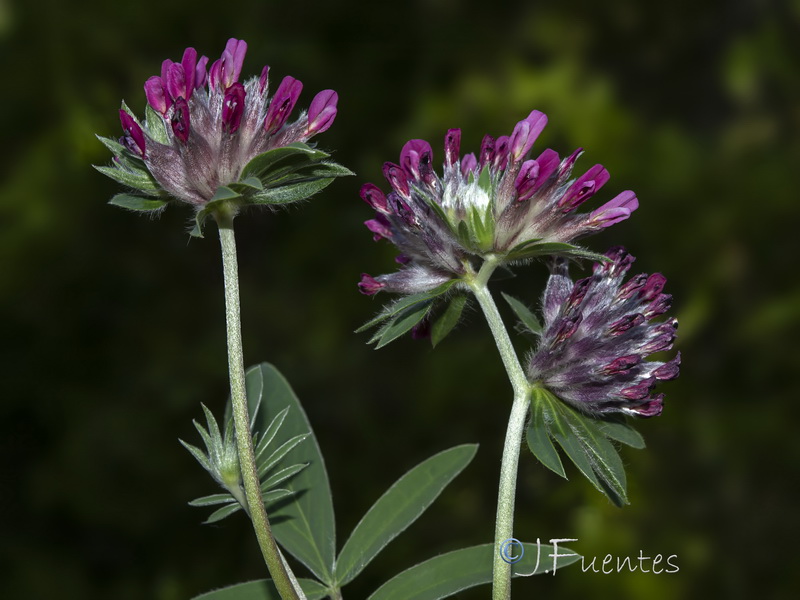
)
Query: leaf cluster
[
  {"x": 304, "y": 523},
  {"x": 586, "y": 440}
]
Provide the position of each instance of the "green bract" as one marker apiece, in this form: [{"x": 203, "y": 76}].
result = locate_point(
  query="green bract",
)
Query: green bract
[
  {"x": 275, "y": 177},
  {"x": 221, "y": 460}
]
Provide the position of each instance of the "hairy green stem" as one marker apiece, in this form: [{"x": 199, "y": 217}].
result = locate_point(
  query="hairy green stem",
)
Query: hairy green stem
[
  {"x": 241, "y": 417},
  {"x": 501, "y": 571}
]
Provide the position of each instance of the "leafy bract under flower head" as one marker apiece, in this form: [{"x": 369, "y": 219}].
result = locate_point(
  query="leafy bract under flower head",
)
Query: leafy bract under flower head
[
  {"x": 209, "y": 139},
  {"x": 500, "y": 203},
  {"x": 597, "y": 334}
]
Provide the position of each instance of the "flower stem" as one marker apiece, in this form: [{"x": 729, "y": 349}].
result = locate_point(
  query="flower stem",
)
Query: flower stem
[
  {"x": 501, "y": 578},
  {"x": 241, "y": 416}
]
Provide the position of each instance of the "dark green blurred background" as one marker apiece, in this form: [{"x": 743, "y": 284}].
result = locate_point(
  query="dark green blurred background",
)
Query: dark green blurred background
[{"x": 113, "y": 332}]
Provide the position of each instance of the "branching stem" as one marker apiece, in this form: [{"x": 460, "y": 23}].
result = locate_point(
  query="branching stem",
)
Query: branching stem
[{"x": 501, "y": 578}]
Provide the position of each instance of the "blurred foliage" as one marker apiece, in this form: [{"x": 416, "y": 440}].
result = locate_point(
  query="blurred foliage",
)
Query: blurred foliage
[{"x": 113, "y": 329}]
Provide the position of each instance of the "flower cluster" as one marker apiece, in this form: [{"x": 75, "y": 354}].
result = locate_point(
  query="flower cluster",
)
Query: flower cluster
[
  {"x": 499, "y": 203},
  {"x": 597, "y": 333},
  {"x": 208, "y": 136}
]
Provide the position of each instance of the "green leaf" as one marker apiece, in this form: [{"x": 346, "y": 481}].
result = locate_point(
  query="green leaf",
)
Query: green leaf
[
  {"x": 213, "y": 500},
  {"x": 126, "y": 160},
  {"x": 138, "y": 179},
  {"x": 292, "y": 192},
  {"x": 282, "y": 475},
  {"x": 400, "y": 506},
  {"x": 448, "y": 574},
  {"x": 602, "y": 455},
  {"x": 434, "y": 205},
  {"x": 464, "y": 235},
  {"x": 269, "y": 434},
  {"x": 279, "y": 453},
  {"x": 224, "y": 193},
  {"x": 251, "y": 185},
  {"x": 125, "y": 107},
  {"x": 539, "y": 439},
  {"x": 263, "y": 589},
  {"x": 587, "y": 447},
  {"x": 533, "y": 248},
  {"x": 198, "y": 454},
  {"x": 395, "y": 307},
  {"x": 304, "y": 524},
  {"x": 262, "y": 163},
  {"x": 327, "y": 169},
  {"x": 482, "y": 230},
  {"x": 485, "y": 180},
  {"x": 223, "y": 512},
  {"x": 137, "y": 203},
  {"x": 156, "y": 127},
  {"x": 199, "y": 221},
  {"x": 622, "y": 432},
  {"x": 524, "y": 314},
  {"x": 401, "y": 323},
  {"x": 445, "y": 324},
  {"x": 273, "y": 495},
  {"x": 116, "y": 148}
]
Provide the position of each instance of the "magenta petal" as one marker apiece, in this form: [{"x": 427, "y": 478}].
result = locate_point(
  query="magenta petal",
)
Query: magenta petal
[
  {"x": 669, "y": 370},
  {"x": 156, "y": 94},
  {"x": 180, "y": 120},
  {"x": 410, "y": 156},
  {"x": 486, "y": 155},
  {"x": 201, "y": 73},
  {"x": 262, "y": 81},
  {"x": 189, "y": 64},
  {"x": 452, "y": 146},
  {"x": 215, "y": 75},
  {"x": 165, "y": 67},
  {"x": 615, "y": 210},
  {"x": 176, "y": 82},
  {"x": 133, "y": 132},
  {"x": 501, "y": 146},
  {"x": 527, "y": 179},
  {"x": 548, "y": 163},
  {"x": 469, "y": 164},
  {"x": 652, "y": 408},
  {"x": 237, "y": 50},
  {"x": 380, "y": 226},
  {"x": 654, "y": 286},
  {"x": 369, "y": 285},
  {"x": 396, "y": 177},
  {"x": 566, "y": 165},
  {"x": 282, "y": 104},
  {"x": 583, "y": 188},
  {"x": 658, "y": 306},
  {"x": 622, "y": 364},
  {"x": 372, "y": 195},
  {"x": 233, "y": 107},
  {"x": 525, "y": 134},
  {"x": 322, "y": 111},
  {"x": 639, "y": 391}
]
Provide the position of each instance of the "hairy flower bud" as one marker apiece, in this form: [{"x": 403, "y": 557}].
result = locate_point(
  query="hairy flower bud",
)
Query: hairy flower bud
[{"x": 599, "y": 366}]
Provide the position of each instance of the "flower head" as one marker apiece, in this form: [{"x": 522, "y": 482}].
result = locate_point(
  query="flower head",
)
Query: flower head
[
  {"x": 210, "y": 137},
  {"x": 500, "y": 203},
  {"x": 597, "y": 334}
]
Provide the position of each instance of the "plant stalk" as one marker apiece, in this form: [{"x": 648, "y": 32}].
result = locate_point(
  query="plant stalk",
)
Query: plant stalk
[
  {"x": 501, "y": 570},
  {"x": 241, "y": 416}
]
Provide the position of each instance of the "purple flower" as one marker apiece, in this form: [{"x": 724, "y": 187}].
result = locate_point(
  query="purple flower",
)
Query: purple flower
[
  {"x": 597, "y": 335},
  {"x": 499, "y": 203},
  {"x": 204, "y": 127}
]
